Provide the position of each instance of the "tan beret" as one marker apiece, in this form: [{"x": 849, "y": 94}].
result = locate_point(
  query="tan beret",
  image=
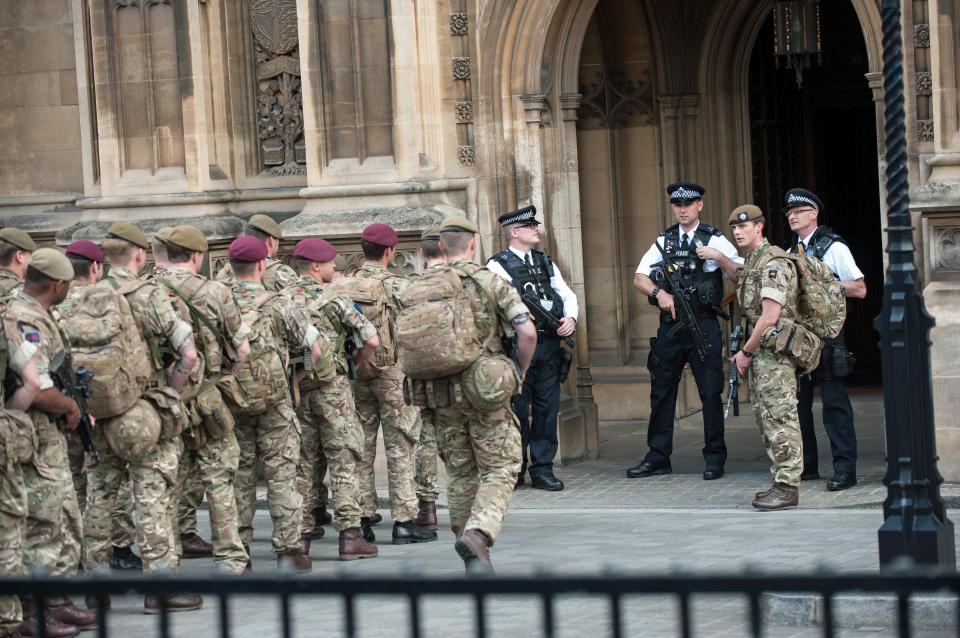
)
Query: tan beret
[
  {"x": 52, "y": 263},
  {"x": 128, "y": 232},
  {"x": 745, "y": 213},
  {"x": 458, "y": 224},
  {"x": 18, "y": 238},
  {"x": 265, "y": 224},
  {"x": 163, "y": 234},
  {"x": 430, "y": 233},
  {"x": 189, "y": 237}
]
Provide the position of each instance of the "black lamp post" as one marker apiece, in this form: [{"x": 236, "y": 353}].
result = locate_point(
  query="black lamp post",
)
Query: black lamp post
[{"x": 915, "y": 522}]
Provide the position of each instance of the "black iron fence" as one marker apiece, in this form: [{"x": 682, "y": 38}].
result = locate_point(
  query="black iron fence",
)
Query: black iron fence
[{"x": 614, "y": 588}]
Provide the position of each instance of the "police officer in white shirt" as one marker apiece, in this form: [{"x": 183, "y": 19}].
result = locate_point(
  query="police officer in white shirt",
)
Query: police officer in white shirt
[
  {"x": 535, "y": 276},
  {"x": 701, "y": 255},
  {"x": 802, "y": 209}
]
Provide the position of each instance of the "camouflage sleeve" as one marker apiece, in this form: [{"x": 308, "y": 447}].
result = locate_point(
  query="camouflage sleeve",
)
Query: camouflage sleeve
[
  {"x": 285, "y": 276},
  {"x": 509, "y": 304},
  {"x": 165, "y": 322},
  {"x": 228, "y": 316},
  {"x": 353, "y": 318},
  {"x": 27, "y": 341},
  {"x": 224, "y": 275},
  {"x": 778, "y": 279},
  {"x": 298, "y": 331}
]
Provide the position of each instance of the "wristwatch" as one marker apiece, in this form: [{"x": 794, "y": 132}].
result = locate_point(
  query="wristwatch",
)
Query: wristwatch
[
  {"x": 747, "y": 353},
  {"x": 654, "y": 292}
]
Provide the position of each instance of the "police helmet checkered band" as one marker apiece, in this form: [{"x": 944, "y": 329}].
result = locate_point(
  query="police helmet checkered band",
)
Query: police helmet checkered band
[
  {"x": 683, "y": 193},
  {"x": 795, "y": 199},
  {"x": 526, "y": 215}
]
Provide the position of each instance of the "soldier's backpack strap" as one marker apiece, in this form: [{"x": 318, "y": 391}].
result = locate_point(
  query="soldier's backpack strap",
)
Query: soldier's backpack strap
[
  {"x": 127, "y": 288},
  {"x": 487, "y": 300},
  {"x": 198, "y": 317}
]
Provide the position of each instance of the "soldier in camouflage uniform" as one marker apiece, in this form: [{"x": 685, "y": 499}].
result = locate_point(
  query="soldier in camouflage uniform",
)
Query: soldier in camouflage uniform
[
  {"x": 426, "y": 476},
  {"x": 87, "y": 261},
  {"x": 767, "y": 290},
  {"x": 480, "y": 444},
  {"x": 221, "y": 339},
  {"x": 380, "y": 403},
  {"x": 271, "y": 436},
  {"x": 51, "y": 500},
  {"x": 16, "y": 247},
  {"x": 278, "y": 275},
  {"x": 331, "y": 429}
]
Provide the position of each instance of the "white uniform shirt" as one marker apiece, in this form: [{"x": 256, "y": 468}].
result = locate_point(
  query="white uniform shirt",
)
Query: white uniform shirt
[
  {"x": 839, "y": 259},
  {"x": 721, "y": 243},
  {"x": 570, "y": 307}
]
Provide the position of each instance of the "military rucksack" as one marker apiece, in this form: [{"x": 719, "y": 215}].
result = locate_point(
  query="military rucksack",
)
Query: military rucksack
[
  {"x": 821, "y": 306},
  {"x": 260, "y": 381},
  {"x": 105, "y": 338},
  {"x": 437, "y": 334},
  {"x": 370, "y": 296}
]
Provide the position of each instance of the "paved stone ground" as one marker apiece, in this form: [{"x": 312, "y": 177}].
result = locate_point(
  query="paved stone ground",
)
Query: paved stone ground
[{"x": 601, "y": 521}]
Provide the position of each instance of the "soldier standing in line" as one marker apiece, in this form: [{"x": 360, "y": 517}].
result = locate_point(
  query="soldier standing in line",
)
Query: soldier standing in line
[
  {"x": 17, "y": 444},
  {"x": 477, "y": 431},
  {"x": 270, "y": 434},
  {"x": 533, "y": 273},
  {"x": 328, "y": 415},
  {"x": 767, "y": 291},
  {"x": 700, "y": 254},
  {"x": 191, "y": 543},
  {"x": 87, "y": 261},
  {"x": 379, "y": 395},
  {"x": 802, "y": 209},
  {"x": 221, "y": 339},
  {"x": 278, "y": 275},
  {"x": 51, "y": 500},
  {"x": 127, "y": 442},
  {"x": 426, "y": 477},
  {"x": 16, "y": 247}
]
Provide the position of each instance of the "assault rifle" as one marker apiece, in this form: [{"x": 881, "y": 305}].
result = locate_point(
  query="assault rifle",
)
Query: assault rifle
[
  {"x": 733, "y": 382},
  {"x": 681, "y": 296},
  {"x": 76, "y": 385},
  {"x": 352, "y": 344}
]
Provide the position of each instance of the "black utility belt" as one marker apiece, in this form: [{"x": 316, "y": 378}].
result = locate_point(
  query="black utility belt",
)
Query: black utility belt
[{"x": 666, "y": 318}]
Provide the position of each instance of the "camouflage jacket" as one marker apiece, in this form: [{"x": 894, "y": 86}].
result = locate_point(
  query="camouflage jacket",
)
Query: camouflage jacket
[
  {"x": 9, "y": 283},
  {"x": 494, "y": 302},
  {"x": 393, "y": 283},
  {"x": 277, "y": 276},
  {"x": 291, "y": 330},
  {"x": 66, "y": 309},
  {"x": 767, "y": 274}
]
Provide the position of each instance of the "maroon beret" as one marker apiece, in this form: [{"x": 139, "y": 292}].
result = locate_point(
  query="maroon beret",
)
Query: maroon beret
[
  {"x": 380, "y": 234},
  {"x": 248, "y": 249},
  {"x": 315, "y": 249},
  {"x": 85, "y": 249}
]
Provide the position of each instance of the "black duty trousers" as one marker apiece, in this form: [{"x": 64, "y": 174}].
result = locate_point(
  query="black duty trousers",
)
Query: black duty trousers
[{"x": 541, "y": 397}]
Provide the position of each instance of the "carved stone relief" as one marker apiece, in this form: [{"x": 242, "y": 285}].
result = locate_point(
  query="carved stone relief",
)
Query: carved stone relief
[
  {"x": 279, "y": 96},
  {"x": 947, "y": 248},
  {"x": 617, "y": 101},
  {"x": 458, "y": 24},
  {"x": 464, "y": 112},
  {"x": 924, "y": 83},
  {"x": 921, "y": 36},
  {"x": 924, "y": 131},
  {"x": 467, "y": 156},
  {"x": 461, "y": 68}
]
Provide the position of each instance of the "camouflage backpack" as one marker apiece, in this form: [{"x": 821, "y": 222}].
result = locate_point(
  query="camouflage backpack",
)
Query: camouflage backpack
[
  {"x": 105, "y": 338},
  {"x": 437, "y": 332},
  {"x": 370, "y": 296},
  {"x": 18, "y": 437},
  {"x": 821, "y": 307},
  {"x": 260, "y": 382}
]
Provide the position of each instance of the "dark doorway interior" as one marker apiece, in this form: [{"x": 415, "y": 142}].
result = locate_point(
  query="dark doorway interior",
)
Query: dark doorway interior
[{"x": 823, "y": 137}]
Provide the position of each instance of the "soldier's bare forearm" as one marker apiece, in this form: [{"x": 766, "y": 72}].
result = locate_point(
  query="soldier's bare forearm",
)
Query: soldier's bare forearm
[
  {"x": 526, "y": 344},
  {"x": 53, "y": 401}
]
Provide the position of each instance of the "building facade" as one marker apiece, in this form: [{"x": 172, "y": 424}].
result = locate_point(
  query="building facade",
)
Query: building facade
[{"x": 332, "y": 114}]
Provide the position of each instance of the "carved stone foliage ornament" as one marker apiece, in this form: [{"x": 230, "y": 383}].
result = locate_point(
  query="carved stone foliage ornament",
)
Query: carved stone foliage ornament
[
  {"x": 464, "y": 112},
  {"x": 461, "y": 68},
  {"x": 618, "y": 101},
  {"x": 924, "y": 131},
  {"x": 948, "y": 248},
  {"x": 458, "y": 24},
  {"x": 921, "y": 36},
  {"x": 279, "y": 94},
  {"x": 467, "y": 156},
  {"x": 924, "y": 83}
]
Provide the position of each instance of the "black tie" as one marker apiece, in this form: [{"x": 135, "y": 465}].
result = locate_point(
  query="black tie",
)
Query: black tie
[
  {"x": 528, "y": 261},
  {"x": 685, "y": 244}
]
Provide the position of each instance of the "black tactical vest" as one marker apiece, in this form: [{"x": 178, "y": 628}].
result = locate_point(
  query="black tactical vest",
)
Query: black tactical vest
[
  {"x": 706, "y": 287},
  {"x": 533, "y": 279},
  {"x": 823, "y": 237}
]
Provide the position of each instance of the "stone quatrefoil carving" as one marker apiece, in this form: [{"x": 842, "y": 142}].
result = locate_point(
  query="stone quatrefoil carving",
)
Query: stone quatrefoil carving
[
  {"x": 461, "y": 68},
  {"x": 459, "y": 24}
]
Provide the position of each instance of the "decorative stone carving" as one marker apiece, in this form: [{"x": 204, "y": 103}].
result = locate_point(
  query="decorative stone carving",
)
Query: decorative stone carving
[
  {"x": 618, "y": 101},
  {"x": 924, "y": 131},
  {"x": 464, "y": 112},
  {"x": 924, "y": 83},
  {"x": 405, "y": 262},
  {"x": 459, "y": 24},
  {"x": 921, "y": 36},
  {"x": 947, "y": 248},
  {"x": 461, "y": 68},
  {"x": 467, "y": 156},
  {"x": 279, "y": 95}
]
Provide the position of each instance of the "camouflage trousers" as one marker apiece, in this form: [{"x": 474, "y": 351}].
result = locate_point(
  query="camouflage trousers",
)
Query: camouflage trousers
[
  {"x": 190, "y": 500},
  {"x": 54, "y": 524},
  {"x": 426, "y": 473},
  {"x": 332, "y": 407},
  {"x": 380, "y": 403},
  {"x": 13, "y": 527},
  {"x": 124, "y": 531},
  {"x": 272, "y": 438},
  {"x": 773, "y": 393},
  {"x": 313, "y": 464},
  {"x": 216, "y": 463},
  {"x": 482, "y": 453},
  {"x": 153, "y": 478}
]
